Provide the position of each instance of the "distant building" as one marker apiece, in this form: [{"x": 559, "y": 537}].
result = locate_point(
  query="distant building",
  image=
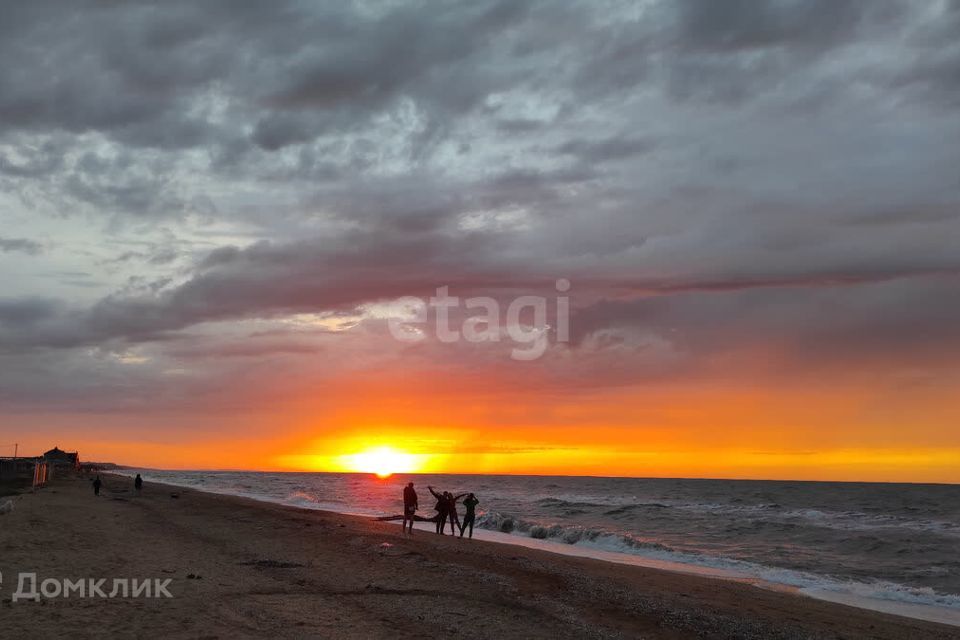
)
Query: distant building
[
  {"x": 23, "y": 467},
  {"x": 58, "y": 458}
]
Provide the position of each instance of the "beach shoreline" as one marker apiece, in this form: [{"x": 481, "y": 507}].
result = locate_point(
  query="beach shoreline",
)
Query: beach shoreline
[
  {"x": 591, "y": 539},
  {"x": 270, "y": 569}
]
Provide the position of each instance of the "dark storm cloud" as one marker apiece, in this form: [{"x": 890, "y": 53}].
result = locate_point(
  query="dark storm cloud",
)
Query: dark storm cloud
[
  {"x": 890, "y": 325},
  {"x": 137, "y": 73},
  {"x": 26, "y": 312},
  {"x": 288, "y": 72},
  {"x": 97, "y": 66},
  {"x": 264, "y": 280},
  {"x": 707, "y": 174},
  {"x": 155, "y": 84},
  {"x": 268, "y": 280},
  {"x": 744, "y": 25},
  {"x": 271, "y": 77},
  {"x": 368, "y": 63},
  {"x": 740, "y": 51}
]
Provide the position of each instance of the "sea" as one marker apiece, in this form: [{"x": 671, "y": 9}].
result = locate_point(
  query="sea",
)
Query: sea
[{"x": 887, "y": 547}]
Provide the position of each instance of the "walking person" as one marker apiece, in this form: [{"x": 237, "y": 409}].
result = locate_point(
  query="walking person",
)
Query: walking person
[
  {"x": 410, "y": 506},
  {"x": 138, "y": 484},
  {"x": 96, "y": 485},
  {"x": 471, "y": 504}
]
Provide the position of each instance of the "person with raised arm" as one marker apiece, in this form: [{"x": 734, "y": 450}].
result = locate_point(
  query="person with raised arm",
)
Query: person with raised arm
[
  {"x": 442, "y": 507},
  {"x": 468, "y": 519}
]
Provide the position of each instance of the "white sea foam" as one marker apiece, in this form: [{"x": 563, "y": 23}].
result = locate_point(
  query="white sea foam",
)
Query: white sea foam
[{"x": 888, "y": 597}]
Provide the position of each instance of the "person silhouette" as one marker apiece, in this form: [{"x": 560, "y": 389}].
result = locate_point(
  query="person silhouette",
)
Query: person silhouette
[
  {"x": 138, "y": 483},
  {"x": 442, "y": 507},
  {"x": 452, "y": 515},
  {"x": 471, "y": 504},
  {"x": 96, "y": 485},
  {"x": 410, "y": 506}
]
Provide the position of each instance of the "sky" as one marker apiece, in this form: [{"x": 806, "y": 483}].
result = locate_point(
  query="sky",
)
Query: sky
[{"x": 213, "y": 216}]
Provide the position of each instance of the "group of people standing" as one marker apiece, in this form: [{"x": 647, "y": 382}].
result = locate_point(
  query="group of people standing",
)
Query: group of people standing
[{"x": 446, "y": 508}]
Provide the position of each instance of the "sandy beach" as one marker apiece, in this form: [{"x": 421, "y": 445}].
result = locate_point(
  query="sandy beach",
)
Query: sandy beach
[{"x": 245, "y": 569}]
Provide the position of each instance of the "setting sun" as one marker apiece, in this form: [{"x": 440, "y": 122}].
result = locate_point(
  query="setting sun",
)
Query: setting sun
[{"x": 383, "y": 461}]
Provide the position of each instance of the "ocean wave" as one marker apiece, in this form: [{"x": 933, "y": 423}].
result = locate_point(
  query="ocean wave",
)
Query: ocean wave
[
  {"x": 603, "y": 540},
  {"x": 630, "y": 508},
  {"x": 764, "y": 514},
  {"x": 568, "y": 534},
  {"x": 838, "y": 520},
  {"x": 567, "y": 504},
  {"x": 303, "y": 496}
]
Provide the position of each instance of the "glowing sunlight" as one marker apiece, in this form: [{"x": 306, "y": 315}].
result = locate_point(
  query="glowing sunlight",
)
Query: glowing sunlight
[{"x": 382, "y": 461}]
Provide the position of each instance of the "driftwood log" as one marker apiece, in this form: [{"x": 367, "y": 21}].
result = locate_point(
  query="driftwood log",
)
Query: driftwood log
[{"x": 400, "y": 517}]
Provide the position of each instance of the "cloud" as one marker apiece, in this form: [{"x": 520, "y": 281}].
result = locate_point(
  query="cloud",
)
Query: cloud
[
  {"x": 614, "y": 148},
  {"x": 22, "y": 245},
  {"x": 741, "y": 25},
  {"x": 713, "y": 179}
]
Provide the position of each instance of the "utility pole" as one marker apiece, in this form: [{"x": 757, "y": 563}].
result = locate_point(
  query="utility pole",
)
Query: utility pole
[{"x": 16, "y": 447}]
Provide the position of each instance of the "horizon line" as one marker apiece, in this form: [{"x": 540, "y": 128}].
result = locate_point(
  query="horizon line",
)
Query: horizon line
[{"x": 529, "y": 475}]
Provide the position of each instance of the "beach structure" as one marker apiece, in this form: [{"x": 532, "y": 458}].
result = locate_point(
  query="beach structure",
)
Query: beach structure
[
  {"x": 33, "y": 470},
  {"x": 41, "y": 474},
  {"x": 60, "y": 459},
  {"x": 38, "y": 470},
  {"x": 12, "y": 469}
]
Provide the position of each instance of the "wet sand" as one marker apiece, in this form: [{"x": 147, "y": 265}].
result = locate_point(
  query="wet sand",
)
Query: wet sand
[{"x": 263, "y": 570}]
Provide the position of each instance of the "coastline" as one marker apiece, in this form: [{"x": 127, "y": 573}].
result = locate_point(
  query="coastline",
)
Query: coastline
[
  {"x": 273, "y": 569},
  {"x": 889, "y": 597}
]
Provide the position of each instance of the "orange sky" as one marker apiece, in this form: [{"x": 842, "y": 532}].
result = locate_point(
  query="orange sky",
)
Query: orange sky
[{"x": 460, "y": 426}]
